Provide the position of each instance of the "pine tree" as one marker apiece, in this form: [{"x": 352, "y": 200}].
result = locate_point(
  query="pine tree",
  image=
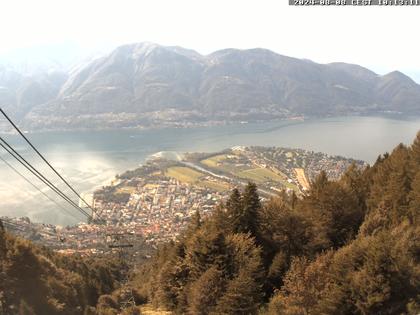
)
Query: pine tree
[
  {"x": 380, "y": 174},
  {"x": 399, "y": 182},
  {"x": 303, "y": 286},
  {"x": 234, "y": 210},
  {"x": 414, "y": 199},
  {"x": 167, "y": 288},
  {"x": 415, "y": 153},
  {"x": 278, "y": 268},
  {"x": 354, "y": 181},
  {"x": 333, "y": 213},
  {"x": 319, "y": 183},
  {"x": 376, "y": 220},
  {"x": 220, "y": 220},
  {"x": 283, "y": 230},
  {"x": 391, "y": 185},
  {"x": 244, "y": 269},
  {"x": 205, "y": 249},
  {"x": 241, "y": 296},
  {"x": 205, "y": 292},
  {"x": 248, "y": 222},
  {"x": 193, "y": 226}
]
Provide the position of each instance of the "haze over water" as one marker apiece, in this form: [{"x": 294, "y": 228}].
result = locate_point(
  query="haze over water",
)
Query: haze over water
[{"x": 91, "y": 159}]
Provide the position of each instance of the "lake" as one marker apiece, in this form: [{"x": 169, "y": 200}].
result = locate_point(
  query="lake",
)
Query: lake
[{"x": 90, "y": 159}]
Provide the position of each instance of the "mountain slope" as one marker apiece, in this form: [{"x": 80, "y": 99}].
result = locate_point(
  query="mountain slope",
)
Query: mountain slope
[
  {"x": 19, "y": 92},
  {"x": 147, "y": 84}
]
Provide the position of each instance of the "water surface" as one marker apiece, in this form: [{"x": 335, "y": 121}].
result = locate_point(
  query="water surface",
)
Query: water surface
[{"x": 90, "y": 159}]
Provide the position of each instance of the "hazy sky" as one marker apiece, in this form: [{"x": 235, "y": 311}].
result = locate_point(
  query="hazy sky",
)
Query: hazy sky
[{"x": 380, "y": 38}]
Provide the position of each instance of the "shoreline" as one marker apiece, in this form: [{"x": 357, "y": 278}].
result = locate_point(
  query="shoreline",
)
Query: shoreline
[{"x": 207, "y": 124}]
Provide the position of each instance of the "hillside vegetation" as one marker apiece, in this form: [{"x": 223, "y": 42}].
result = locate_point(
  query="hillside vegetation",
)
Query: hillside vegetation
[
  {"x": 37, "y": 281},
  {"x": 350, "y": 246},
  {"x": 347, "y": 247}
]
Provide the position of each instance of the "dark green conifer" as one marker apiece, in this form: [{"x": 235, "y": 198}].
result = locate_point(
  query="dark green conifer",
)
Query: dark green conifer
[
  {"x": 206, "y": 249},
  {"x": 248, "y": 222},
  {"x": 234, "y": 209}
]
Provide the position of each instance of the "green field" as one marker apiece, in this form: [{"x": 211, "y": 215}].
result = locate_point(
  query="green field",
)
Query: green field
[
  {"x": 217, "y": 162},
  {"x": 278, "y": 172},
  {"x": 191, "y": 176},
  {"x": 218, "y": 186},
  {"x": 260, "y": 175},
  {"x": 184, "y": 174},
  {"x": 212, "y": 161},
  {"x": 290, "y": 186}
]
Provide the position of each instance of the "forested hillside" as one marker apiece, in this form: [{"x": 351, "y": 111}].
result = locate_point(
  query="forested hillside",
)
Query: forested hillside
[
  {"x": 350, "y": 246},
  {"x": 36, "y": 281},
  {"x": 347, "y": 247}
]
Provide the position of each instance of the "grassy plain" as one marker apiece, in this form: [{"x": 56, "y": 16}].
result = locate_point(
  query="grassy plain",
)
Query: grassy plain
[
  {"x": 260, "y": 175},
  {"x": 184, "y": 174},
  {"x": 214, "y": 160},
  {"x": 218, "y": 186},
  {"x": 191, "y": 176}
]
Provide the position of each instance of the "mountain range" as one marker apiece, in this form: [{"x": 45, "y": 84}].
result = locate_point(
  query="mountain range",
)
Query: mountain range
[{"x": 145, "y": 84}]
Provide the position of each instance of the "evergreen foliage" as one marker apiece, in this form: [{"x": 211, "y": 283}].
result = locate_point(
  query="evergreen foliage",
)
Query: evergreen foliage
[
  {"x": 37, "y": 281},
  {"x": 350, "y": 246},
  {"x": 346, "y": 247}
]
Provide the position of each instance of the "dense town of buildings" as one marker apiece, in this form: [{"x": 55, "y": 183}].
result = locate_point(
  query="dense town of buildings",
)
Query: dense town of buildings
[
  {"x": 151, "y": 204},
  {"x": 157, "y": 210}
]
